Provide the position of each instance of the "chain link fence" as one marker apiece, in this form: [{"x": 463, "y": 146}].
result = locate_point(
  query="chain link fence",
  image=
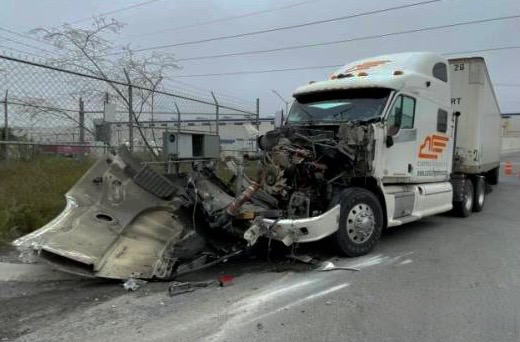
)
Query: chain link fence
[{"x": 47, "y": 110}]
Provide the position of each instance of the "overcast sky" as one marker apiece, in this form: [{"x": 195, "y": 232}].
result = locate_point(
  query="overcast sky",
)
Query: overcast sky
[{"x": 147, "y": 26}]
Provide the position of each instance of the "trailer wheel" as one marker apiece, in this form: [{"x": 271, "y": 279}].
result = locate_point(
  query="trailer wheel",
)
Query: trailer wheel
[
  {"x": 480, "y": 193},
  {"x": 464, "y": 208},
  {"x": 360, "y": 222},
  {"x": 492, "y": 176}
]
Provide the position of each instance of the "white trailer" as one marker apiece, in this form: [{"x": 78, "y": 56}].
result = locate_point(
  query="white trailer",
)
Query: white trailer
[{"x": 477, "y": 145}]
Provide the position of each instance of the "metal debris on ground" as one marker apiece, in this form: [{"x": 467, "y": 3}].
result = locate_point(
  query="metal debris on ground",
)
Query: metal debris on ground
[
  {"x": 330, "y": 266},
  {"x": 177, "y": 287},
  {"x": 306, "y": 259},
  {"x": 133, "y": 284},
  {"x": 183, "y": 271},
  {"x": 28, "y": 256}
]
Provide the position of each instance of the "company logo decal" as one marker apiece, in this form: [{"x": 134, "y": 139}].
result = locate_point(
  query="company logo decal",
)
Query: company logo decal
[
  {"x": 364, "y": 66},
  {"x": 432, "y": 147},
  {"x": 360, "y": 67}
]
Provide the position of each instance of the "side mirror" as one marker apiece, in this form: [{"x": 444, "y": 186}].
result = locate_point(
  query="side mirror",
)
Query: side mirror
[
  {"x": 389, "y": 141},
  {"x": 278, "y": 118}
]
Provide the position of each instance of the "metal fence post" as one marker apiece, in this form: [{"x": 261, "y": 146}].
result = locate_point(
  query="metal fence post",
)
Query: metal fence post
[
  {"x": 257, "y": 113},
  {"x": 217, "y": 113},
  {"x": 81, "y": 128},
  {"x": 257, "y": 119},
  {"x": 130, "y": 119},
  {"x": 130, "y": 114},
  {"x": 177, "y": 166},
  {"x": 81, "y": 121},
  {"x": 5, "y": 148}
]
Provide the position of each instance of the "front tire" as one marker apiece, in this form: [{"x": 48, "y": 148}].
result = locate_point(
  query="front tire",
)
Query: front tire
[{"x": 360, "y": 222}]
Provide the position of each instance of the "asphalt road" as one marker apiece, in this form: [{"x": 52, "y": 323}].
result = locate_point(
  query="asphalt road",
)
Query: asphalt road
[{"x": 440, "y": 279}]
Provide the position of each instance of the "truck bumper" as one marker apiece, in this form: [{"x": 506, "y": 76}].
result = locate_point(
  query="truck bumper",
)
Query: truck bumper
[{"x": 289, "y": 231}]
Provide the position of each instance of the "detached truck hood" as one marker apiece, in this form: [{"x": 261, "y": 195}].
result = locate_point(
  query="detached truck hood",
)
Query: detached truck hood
[{"x": 121, "y": 220}]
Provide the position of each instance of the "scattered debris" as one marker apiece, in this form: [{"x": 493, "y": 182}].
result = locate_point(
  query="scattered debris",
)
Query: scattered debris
[
  {"x": 306, "y": 259},
  {"x": 330, "y": 266},
  {"x": 28, "y": 256},
  {"x": 225, "y": 280},
  {"x": 133, "y": 284},
  {"x": 177, "y": 288},
  {"x": 328, "y": 302},
  {"x": 222, "y": 259},
  {"x": 405, "y": 262}
]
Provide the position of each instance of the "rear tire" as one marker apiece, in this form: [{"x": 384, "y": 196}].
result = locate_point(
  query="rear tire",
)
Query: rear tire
[
  {"x": 360, "y": 222},
  {"x": 493, "y": 175},
  {"x": 464, "y": 208},
  {"x": 479, "y": 198}
]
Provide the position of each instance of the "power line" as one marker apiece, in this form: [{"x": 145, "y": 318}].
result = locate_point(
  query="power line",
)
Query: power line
[
  {"x": 20, "y": 51},
  {"x": 225, "y": 19},
  {"x": 206, "y": 92},
  {"x": 304, "y": 46},
  {"x": 324, "y": 66},
  {"x": 28, "y": 45},
  {"x": 26, "y": 36},
  {"x": 282, "y": 28},
  {"x": 117, "y": 10},
  {"x": 263, "y": 71}
]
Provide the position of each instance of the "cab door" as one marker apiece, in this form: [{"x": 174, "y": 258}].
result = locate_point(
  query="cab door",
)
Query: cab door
[{"x": 401, "y": 142}]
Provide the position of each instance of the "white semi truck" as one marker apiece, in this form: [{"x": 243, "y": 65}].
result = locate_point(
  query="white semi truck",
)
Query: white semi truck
[
  {"x": 424, "y": 132},
  {"x": 384, "y": 141}
]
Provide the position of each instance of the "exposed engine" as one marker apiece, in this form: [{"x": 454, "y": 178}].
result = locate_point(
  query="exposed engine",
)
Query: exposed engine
[{"x": 302, "y": 166}]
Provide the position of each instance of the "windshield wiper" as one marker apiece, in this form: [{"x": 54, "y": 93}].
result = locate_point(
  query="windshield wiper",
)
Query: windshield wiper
[
  {"x": 342, "y": 112},
  {"x": 309, "y": 115}
]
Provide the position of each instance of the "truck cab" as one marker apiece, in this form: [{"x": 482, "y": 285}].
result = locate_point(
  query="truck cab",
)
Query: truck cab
[
  {"x": 409, "y": 95},
  {"x": 395, "y": 128}
]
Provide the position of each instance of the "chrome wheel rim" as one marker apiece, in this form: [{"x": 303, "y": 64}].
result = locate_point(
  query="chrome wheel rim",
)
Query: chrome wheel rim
[{"x": 360, "y": 223}]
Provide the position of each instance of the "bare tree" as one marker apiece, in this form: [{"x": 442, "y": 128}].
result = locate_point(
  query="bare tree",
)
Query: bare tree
[{"x": 92, "y": 51}]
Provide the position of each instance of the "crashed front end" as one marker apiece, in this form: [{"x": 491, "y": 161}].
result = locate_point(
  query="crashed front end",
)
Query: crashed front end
[
  {"x": 124, "y": 220},
  {"x": 299, "y": 174}
]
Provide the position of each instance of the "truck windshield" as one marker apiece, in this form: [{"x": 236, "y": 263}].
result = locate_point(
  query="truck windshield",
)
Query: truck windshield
[{"x": 338, "y": 106}]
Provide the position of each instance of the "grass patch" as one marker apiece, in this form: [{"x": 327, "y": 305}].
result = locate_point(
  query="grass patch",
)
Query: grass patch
[{"x": 32, "y": 192}]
